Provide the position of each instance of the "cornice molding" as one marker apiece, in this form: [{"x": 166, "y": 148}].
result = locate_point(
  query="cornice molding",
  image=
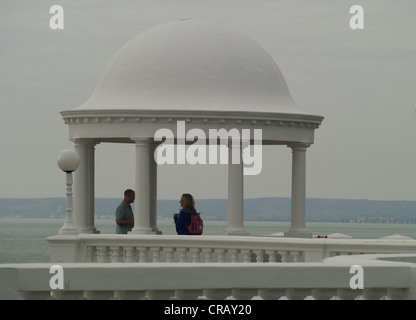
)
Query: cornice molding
[{"x": 74, "y": 117}]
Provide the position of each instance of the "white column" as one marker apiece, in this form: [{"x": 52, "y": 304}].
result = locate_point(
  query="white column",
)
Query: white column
[
  {"x": 235, "y": 223},
  {"x": 142, "y": 207},
  {"x": 153, "y": 189},
  {"x": 298, "y": 215},
  {"x": 84, "y": 187},
  {"x": 91, "y": 189}
]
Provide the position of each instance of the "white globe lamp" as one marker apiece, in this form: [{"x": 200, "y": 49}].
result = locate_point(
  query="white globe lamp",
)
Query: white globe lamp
[{"x": 68, "y": 160}]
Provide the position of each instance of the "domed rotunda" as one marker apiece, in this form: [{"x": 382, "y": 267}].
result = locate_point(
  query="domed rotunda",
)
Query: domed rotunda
[{"x": 204, "y": 76}]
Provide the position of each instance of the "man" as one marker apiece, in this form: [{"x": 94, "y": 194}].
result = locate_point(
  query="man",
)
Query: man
[{"x": 124, "y": 213}]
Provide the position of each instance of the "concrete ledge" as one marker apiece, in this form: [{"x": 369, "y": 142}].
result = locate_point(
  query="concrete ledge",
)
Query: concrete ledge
[{"x": 117, "y": 280}]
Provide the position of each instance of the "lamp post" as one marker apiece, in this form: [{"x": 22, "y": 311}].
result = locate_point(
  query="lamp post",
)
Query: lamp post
[{"x": 68, "y": 161}]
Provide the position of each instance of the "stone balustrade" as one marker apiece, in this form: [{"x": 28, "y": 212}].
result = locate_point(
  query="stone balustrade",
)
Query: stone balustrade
[
  {"x": 385, "y": 277},
  {"x": 110, "y": 248}
]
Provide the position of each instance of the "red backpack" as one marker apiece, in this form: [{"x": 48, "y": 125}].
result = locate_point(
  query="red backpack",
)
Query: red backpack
[{"x": 197, "y": 224}]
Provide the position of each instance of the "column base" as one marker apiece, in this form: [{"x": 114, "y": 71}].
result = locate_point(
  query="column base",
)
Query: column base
[
  {"x": 236, "y": 232},
  {"x": 144, "y": 231},
  {"x": 68, "y": 230},
  {"x": 298, "y": 234},
  {"x": 90, "y": 231}
]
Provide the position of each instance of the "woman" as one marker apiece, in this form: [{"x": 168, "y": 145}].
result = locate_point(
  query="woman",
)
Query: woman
[{"x": 183, "y": 219}]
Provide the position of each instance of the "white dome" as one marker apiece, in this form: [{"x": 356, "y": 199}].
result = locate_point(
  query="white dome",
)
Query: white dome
[{"x": 192, "y": 66}]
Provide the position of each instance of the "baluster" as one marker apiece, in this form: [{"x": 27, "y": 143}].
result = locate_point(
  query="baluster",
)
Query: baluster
[
  {"x": 298, "y": 256},
  {"x": 297, "y": 294},
  {"x": 243, "y": 294},
  {"x": 348, "y": 294},
  {"x": 98, "y": 295},
  {"x": 208, "y": 252},
  {"x": 247, "y": 255},
  {"x": 221, "y": 255},
  {"x": 271, "y": 294},
  {"x": 160, "y": 294},
  {"x": 156, "y": 254},
  {"x": 272, "y": 255},
  {"x": 94, "y": 255},
  {"x": 102, "y": 254},
  {"x": 90, "y": 254},
  {"x": 234, "y": 254},
  {"x": 129, "y": 295},
  {"x": 324, "y": 294},
  {"x": 67, "y": 295},
  {"x": 195, "y": 254},
  {"x": 374, "y": 293},
  {"x": 216, "y": 294},
  {"x": 259, "y": 256},
  {"x": 116, "y": 254},
  {"x": 397, "y": 294},
  {"x": 169, "y": 254},
  {"x": 188, "y": 294},
  {"x": 182, "y": 254},
  {"x": 285, "y": 256},
  {"x": 38, "y": 295},
  {"x": 142, "y": 254},
  {"x": 130, "y": 254}
]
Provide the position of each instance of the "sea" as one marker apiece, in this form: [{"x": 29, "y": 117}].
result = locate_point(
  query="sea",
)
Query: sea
[{"x": 24, "y": 240}]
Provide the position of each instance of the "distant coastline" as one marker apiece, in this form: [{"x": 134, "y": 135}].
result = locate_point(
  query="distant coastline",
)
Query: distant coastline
[{"x": 257, "y": 209}]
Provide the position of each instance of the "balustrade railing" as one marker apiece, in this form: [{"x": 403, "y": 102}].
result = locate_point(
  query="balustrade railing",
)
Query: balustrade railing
[
  {"x": 153, "y": 249},
  {"x": 108, "y": 254},
  {"x": 108, "y": 248}
]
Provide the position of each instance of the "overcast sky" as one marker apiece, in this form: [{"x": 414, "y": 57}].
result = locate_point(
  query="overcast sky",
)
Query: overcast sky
[{"x": 362, "y": 81}]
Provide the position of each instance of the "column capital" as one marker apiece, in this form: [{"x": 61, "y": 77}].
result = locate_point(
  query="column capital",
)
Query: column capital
[
  {"x": 299, "y": 146},
  {"x": 141, "y": 141},
  {"x": 234, "y": 144},
  {"x": 86, "y": 141}
]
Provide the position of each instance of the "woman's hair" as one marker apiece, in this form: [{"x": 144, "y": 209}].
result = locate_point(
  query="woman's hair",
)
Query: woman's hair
[{"x": 188, "y": 201}]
